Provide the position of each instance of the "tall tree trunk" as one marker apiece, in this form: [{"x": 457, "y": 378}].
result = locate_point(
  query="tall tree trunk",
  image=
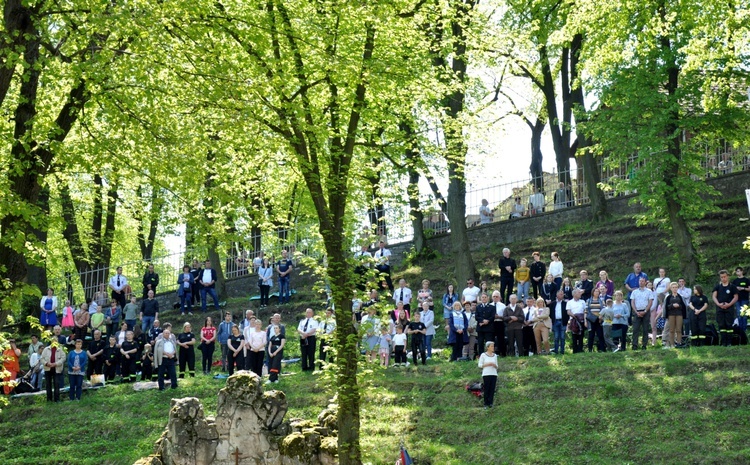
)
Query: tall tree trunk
[
  {"x": 37, "y": 275},
  {"x": 148, "y": 222},
  {"x": 537, "y": 173},
  {"x": 376, "y": 209},
  {"x": 556, "y": 125},
  {"x": 221, "y": 282},
  {"x": 411, "y": 155}
]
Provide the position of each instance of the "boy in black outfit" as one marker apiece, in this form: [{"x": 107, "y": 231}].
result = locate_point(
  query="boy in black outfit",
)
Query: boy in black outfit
[
  {"x": 111, "y": 359},
  {"x": 417, "y": 330}
]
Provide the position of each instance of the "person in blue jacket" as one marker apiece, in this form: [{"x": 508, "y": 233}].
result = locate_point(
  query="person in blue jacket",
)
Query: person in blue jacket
[{"x": 77, "y": 360}]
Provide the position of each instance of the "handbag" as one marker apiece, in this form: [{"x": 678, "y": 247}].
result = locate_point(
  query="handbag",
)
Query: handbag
[
  {"x": 97, "y": 380},
  {"x": 660, "y": 323},
  {"x": 260, "y": 282}
]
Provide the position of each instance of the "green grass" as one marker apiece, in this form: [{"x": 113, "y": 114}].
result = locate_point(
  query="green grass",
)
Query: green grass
[{"x": 672, "y": 407}]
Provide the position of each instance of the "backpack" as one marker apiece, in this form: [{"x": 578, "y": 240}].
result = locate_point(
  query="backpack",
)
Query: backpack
[{"x": 575, "y": 326}]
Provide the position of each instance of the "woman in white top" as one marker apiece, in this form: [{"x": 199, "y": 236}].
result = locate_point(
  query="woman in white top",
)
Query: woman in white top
[
  {"x": 556, "y": 269},
  {"x": 488, "y": 364},
  {"x": 255, "y": 341},
  {"x": 265, "y": 281},
  {"x": 427, "y": 317}
]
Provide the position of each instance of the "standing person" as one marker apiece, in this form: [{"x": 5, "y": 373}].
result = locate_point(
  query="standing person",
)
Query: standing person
[
  {"x": 35, "y": 345},
  {"x": 468, "y": 352},
  {"x": 485, "y": 213},
  {"x": 620, "y": 322},
  {"x": 364, "y": 260},
  {"x": 559, "y": 314},
  {"x": 185, "y": 282},
  {"x": 81, "y": 320},
  {"x": 307, "y": 329},
  {"x": 471, "y": 292},
  {"x": 725, "y": 295},
  {"x": 186, "y": 341},
  {"x": 207, "y": 345},
  {"x": 542, "y": 326},
  {"x": 101, "y": 297},
  {"x": 196, "y": 271},
  {"x": 485, "y": 316},
  {"x": 661, "y": 285},
  {"x": 225, "y": 331},
  {"x": 549, "y": 290},
  {"x": 402, "y": 295},
  {"x": 76, "y": 370},
  {"x": 608, "y": 284},
  {"x": 147, "y": 363},
  {"x": 36, "y": 369},
  {"x": 207, "y": 280},
  {"x": 499, "y": 323},
  {"x": 576, "y": 309},
  {"x": 150, "y": 281},
  {"x": 382, "y": 264},
  {"x": 607, "y": 315},
  {"x": 97, "y": 320},
  {"x": 417, "y": 330},
  {"x": 265, "y": 281},
  {"x": 697, "y": 313},
  {"x": 248, "y": 322},
  {"x": 399, "y": 347},
  {"x": 585, "y": 285},
  {"x": 117, "y": 283},
  {"x": 129, "y": 358},
  {"x": 529, "y": 341},
  {"x": 371, "y": 326},
  {"x": 449, "y": 298},
  {"x": 111, "y": 358},
  {"x": 165, "y": 357},
  {"x": 11, "y": 364},
  {"x": 112, "y": 317},
  {"x": 256, "y": 348},
  {"x": 48, "y": 306},
  {"x": 513, "y": 316},
  {"x": 538, "y": 272},
  {"x": 674, "y": 309},
  {"x": 131, "y": 313},
  {"x": 275, "y": 352},
  {"x": 153, "y": 333},
  {"x": 556, "y": 269},
  {"x": 53, "y": 360},
  {"x": 488, "y": 364},
  {"x": 427, "y": 317},
  {"x": 507, "y": 270},
  {"x": 457, "y": 337},
  {"x": 640, "y": 303},
  {"x": 149, "y": 312},
  {"x": 67, "y": 319},
  {"x": 743, "y": 296},
  {"x": 284, "y": 269},
  {"x": 523, "y": 278},
  {"x": 325, "y": 332},
  {"x": 632, "y": 282},
  {"x": 561, "y": 199},
  {"x": 95, "y": 354},
  {"x": 424, "y": 294},
  {"x": 594, "y": 307}
]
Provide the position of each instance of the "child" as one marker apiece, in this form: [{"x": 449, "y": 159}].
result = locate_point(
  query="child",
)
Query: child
[
  {"x": 147, "y": 364},
  {"x": 399, "y": 346},
  {"x": 385, "y": 347},
  {"x": 522, "y": 275},
  {"x": 606, "y": 315},
  {"x": 488, "y": 364},
  {"x": 470, "y": 309},
  {"x": 35, "y": 361},
  {"x": 67, "y": 321},
  {"x": 417, "y": 330}
]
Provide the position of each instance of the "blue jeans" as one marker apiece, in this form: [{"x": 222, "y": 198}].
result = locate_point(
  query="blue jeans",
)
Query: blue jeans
[
  {"x": 428, "y": 344},
  {"x": 186, "y": 301},
  {"x": 212, "y": 292},
  {"x": 742, "y": 320},
  {"x": 283, "y": 289},
  {"x": 76, "y": 386},
  {"x": 146, "y": 323},
  {"x": 559, "y": 331},
  {"x": 131, "y": 324},
  {"x": 523, "y": 291}
]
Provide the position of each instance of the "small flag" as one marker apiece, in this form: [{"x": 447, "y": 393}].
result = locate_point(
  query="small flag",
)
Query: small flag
[{"x": 405, "y": 458}]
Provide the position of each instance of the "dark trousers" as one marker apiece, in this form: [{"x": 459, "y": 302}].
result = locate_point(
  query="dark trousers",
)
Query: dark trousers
[
  {"x": 578, "y": 342},
  {"x": 147, "y": 372},
  {"x": 458, "y": 347},
  {"x": 127, "y": 368},
  {"x": 698, "y": 327},
  {"x": 110, "y": 370},
  {"x": 536, "y": 286},
  {"x": 640, "y": 325},
  {"x": 264, "y": 292},
  {"x": 255, "y": 362},
  {"x": 76, "y": 387},
  {"x": 208, "y": 356},
  {"x": 186, "y": 300},
  {"x": 94, "y": 367},
  {"x": 506, "y": 289},
  {"x": 187, "y": 357},
  {"x": 233, "y": 360},
  {"x": 80, "y": 333},
  {"x": 596, "y": 330},
  {"x": 54, "y": 382},
  {"x": 167, "y": 368},
  {"x": 482, "y": 338},
  {"x": 529, "y": 341},
  {"x": 307, "y": 347},
  {"x": 386, "y": 270},
  {"x": 195, "y": 295},
  {"x": 400, "y": 352},
  {"x": 725, "y": 319},
  {"x": 515, "y": 339},
  {"x": 501, "y": 346},
  {"x": 624, "y": 337},
  {"x": 490, "y": 382},
  {"x": 324, "y": 352},
  {"x": 417, "y": 348},
  {"x": 274, "y": 364}
]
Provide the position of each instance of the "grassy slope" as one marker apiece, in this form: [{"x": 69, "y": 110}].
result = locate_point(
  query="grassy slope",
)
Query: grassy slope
[{"x": 655, "y": 406}]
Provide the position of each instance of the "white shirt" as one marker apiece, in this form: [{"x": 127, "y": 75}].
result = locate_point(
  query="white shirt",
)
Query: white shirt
[
  {"x": 402, "y": 294},
  {"x": 490, "y": 370},
  {"x": 576, "y": 306},
  {"x": 364, "y": 257},
  {"x": 537, "y": 201},
  {"x": 247, "y": 332},
  {"x": 328, "y": 326},
  {"x": 556, "y": 269},
  {"x": 661, "y": 285},
  {"x": 640, "y": 299},
  {"x": 93, "y": 307},
  {"x": 207, "y": 276},
  {"x": 399, "y": 339},
  {"x": 484, "y": 215},
  {"x": 558, "y": 309},
  {"x": 118, "y": 278},
  {"x": 312, "y": 326},
  {"x": 499, "y": 308},
  {"x": 470, "y": 294},
  {"x": 381, "y": 255},
  {"x": 168, "y": 347},
  {"x": 685, "y": 293}
]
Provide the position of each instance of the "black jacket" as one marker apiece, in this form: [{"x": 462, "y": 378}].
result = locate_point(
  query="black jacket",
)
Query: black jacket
[
  {"x": 485, "y": 312},
  {"x": 565, "y": 315}
]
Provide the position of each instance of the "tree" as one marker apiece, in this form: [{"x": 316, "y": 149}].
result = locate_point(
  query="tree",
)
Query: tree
[{"x": 670, "y": 85}]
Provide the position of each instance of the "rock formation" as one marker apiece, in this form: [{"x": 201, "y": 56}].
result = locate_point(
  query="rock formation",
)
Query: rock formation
[{"x": 249, "y": 428}]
